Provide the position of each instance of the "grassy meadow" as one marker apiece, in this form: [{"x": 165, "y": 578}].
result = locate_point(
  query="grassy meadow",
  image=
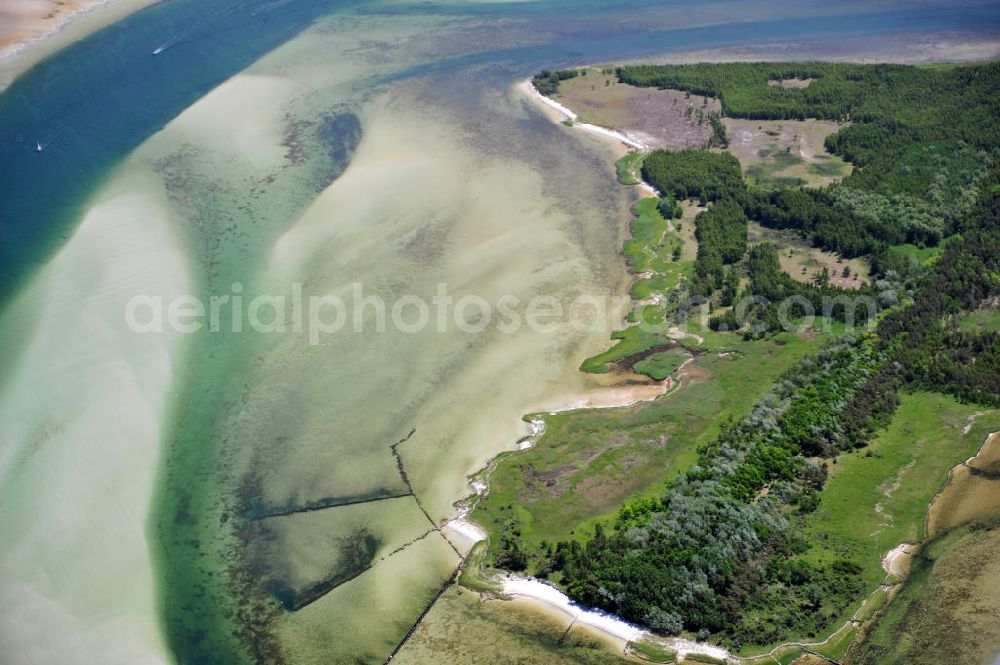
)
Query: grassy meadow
[
  {"x": 946, "y": 612},
  {"x": 660, "y": 253},
  {"x": 877, "y": 497},
  {"x": 590, "y": 462}
]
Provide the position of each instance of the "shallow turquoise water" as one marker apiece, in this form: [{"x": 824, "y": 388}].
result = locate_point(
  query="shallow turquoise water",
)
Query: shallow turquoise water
[
  {"x": 94, "y": 102},
  {"x": 258, "y": 424}
]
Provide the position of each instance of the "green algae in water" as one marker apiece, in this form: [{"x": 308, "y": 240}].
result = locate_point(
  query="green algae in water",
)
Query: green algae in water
[{"x": 270, "y": 423}]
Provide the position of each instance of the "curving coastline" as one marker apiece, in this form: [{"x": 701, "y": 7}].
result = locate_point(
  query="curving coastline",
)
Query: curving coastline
[
  {"x": 463, "y": 529},
  {"x": 567, "y": 114},
  {"x": 549, "y": 598},
  {"x": 540, "y": 594},
  {"x": 32, "y": 31}
]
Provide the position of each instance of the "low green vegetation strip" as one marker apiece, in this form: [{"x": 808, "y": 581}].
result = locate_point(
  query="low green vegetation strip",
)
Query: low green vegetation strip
[
  {"x": 652, "y": 245},
  {"x": 774, "y": 519},
  {"x": 589, "y": 462},
  {"x": 632, "y": 342},
  {"x": 877, "y": 497},
  {"x": 661, "y": 365},
  {"x": 784, "y": 656},
  {"x": 704, "y": 658},
  {"x": 836, "y": 647},
  {"x": 653, "y": 251},
  {"x": 627, "y": 168},
  {"x": 654, "y": 653}
]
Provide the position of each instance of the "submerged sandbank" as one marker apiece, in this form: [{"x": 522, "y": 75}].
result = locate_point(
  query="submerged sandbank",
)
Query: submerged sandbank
[
  {"x": 936, "y": 46},
  {"x": 83, "y": 414},
  {"x": 325, "y": 420}
]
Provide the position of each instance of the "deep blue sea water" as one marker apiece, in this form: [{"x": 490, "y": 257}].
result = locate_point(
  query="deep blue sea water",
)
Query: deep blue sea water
[{"x": 92, "y": 103}]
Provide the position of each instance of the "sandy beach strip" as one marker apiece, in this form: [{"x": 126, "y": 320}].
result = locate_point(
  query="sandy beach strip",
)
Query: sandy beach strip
[
  {"x": 545, "y": 596},
  {"x": 559, "y": 113},
  {"x": 621, "y": 142},
  {"x": 550, "y": 597},
  {"x": 31, "y": 31},
  {"x": 895, "y": 560},
  {"x": 610, "y": 397}
]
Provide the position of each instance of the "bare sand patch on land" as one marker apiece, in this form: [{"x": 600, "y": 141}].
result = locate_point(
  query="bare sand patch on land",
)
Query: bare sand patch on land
[
  {"x": 792, "y": 84},
  {"x": 661, "y": 118},
  {"x": 786, "y": 151},
  {"x": 30, "y": 30},
  {"x": 804, "y": 262}
]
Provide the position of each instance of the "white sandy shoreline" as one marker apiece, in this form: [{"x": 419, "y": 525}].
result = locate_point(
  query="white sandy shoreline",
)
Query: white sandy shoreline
[
  {"x": 548, "y": 595},
  {"x": 561, "y": 113},
  {"x": 33, "y": 31},
  {"x": 544, "y": 595},
  {"x": 567, "y": 114},
  {"x": 539, "y": 593}
]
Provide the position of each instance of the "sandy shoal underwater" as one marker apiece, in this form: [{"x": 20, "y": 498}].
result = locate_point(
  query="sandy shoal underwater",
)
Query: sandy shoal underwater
[
  {"x": 82, "y": 411},
  {"x": 440, "y": 189}
]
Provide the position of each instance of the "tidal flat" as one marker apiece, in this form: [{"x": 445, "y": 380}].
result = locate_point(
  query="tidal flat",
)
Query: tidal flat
[{"x": 430, "y": 196}]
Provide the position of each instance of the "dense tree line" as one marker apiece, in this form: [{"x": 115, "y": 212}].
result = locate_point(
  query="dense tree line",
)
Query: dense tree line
[
  {"x": 850, "y": 221},
  {"x": 920, "y": 138},
  {"x": 894, "y": 106},
  {"x": 967, "y": 366},
  {"x": 717, "y": 552},
  {"x": 547, "y": 83},
  {"x": 694, "y": 174},
  {"x": 719, "y": 138},
  {"x": 967, "y": 275},
  {"x": 684, "y": 561},
  {"x": 722, "y": 239},
  {"x": 814, "y": 215}
]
